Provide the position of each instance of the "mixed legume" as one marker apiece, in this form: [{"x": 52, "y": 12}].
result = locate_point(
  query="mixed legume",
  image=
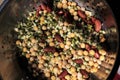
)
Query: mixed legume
[{"x": 62, "y": 42}]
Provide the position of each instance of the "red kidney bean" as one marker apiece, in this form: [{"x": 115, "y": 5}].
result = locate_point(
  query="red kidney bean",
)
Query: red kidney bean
[
  {"x": 81, "y": 14},
  {"x": 49, "y": 49},
  {"x": 43, "y": 6},
  {"x": 63, "y": 74},
  {"x": 58, "y": 38},
  {"x": 97, "y": 55},
  {"x": 84, "y": 73},
  {"x": 87, "y": 47},
  {"x": 48, "y": 9},
  {"x": 60, "y": 12},
  {"x": 97, "y": 23},
  {"x": 78, "y": 61}
]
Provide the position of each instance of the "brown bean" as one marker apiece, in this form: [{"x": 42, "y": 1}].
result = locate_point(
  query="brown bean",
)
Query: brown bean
[
  {"x": 63, "y": 74},
  {"x": 58, "y": 38},
  {"x": 84, "y": 73},
  {"x": 87, "y": 47},
  {"x": 78, "y": 61},
  {"x": 81, "y": 14},
  {"x": 49, "y": 49}
]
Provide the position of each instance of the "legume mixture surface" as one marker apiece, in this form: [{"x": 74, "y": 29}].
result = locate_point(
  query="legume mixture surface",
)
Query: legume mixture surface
[{"x": 63, "y": 42}]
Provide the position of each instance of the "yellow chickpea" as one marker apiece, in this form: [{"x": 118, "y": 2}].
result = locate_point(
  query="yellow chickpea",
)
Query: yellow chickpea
[
  {"x": 73, "y": 69},
  {"x": 87, "y": 58},
  {"x": 72, "y": 35},
  {"x": 102, "y": 58},
  {"x": 73, "y": 4},
  {"x": 64, "y": 6},
  {"x": 47, "y": 33},
  {"x": 24, "y": 49},
  {"x": 71, "y": 10},
  {"x": 82, "y": 45},
  {"x": 59, "y": 5},
  {"x": 91, "y": 63},
  {"x": 85, "y": 53},
  {"x": 66, "y": 23},
  {"x": 61, "y": 32},
  {"x": 55, "y": 70},
  {"x": 33, "y": 40},
  {"x": 40, "y": 66},
  {"x": 41, "y": 44},
  {"x": 44, "y": 28},
  {"x": 35, "y": 28},
  {"x": 96, "y": 65},
  {"x": 83, "y": 67},
  {"x": 102, "y": 52},
  {"x": 67, "y": 77},
  {"x": 74, "y": 78},
  {"x": 56, "y": 54},
  {"x": 53, "y": 31},
  {"x": 31, "y": 59},
  {"x": 76, "y": 18},
  {"x": 80, "y": 52},
  {"x": 47, "y": 74},
  {"x": 50, "y": 39},
  {"x": 64, "y": 1},
  {"x": 73, "y": 51},
  {"x": 27, "y": 55},
  {"x": 62, "y": 45},
  {"x": 68, "y": 43},
  {"x": 94, "y": 69},
  {"x": 92, "y": 52},
  {"x": 33, "y": 53},
  {"x": 75, "y": 13},
  {"x": 51, "y": 44},
  {"x": 53, "y": 78},
  {"x": 78, "y": 7},
  {"x": 68, "y": 66},
  {"x": 44, "y": 57},
  {"x": 69, "y": 3},
  {"x": 18, "y": 42}
]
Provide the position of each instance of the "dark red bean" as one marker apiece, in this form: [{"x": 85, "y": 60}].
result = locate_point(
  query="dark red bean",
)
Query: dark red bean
[
  {"x": 63, "y": 74},
  {"x": 43, "y": 6},
  {"x": 48, "y": 9},
  {"x": 84, "y": 73},
  {"x": 49, "y": 49},
  {"x": 87, "y": 47},
  {"x": 81, "y": 14},
  {"x": 78, "y": 61},
  {"x": 97, "y": 24},
  {"x": 58, "y": 38}
]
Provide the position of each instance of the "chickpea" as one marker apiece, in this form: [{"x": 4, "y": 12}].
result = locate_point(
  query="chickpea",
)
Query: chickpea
[
  {"x": 74, "y": 74},
  {"x": 94, "y": 69},
  {"x": 44, "y": 28},
  {"x": 41, "y": 61},
  {"x": 62, "y": 45},
  {"x": 67, "y": 47},
  {"x": 18, "y": 42},
  {"x": 50, "y": 39},
  {"x": 64, "y": 1},
  {"x": 61, "y": 32},
  {"x": 55, "y": 70},
  {"x": 80, "y": 52},
  {"x": 82, "y": 45},
  {"x": 35, "y": 28},
  {"x": 102, "y": 58},
  {"x": 67, "y": 77},
  {"x": 59, "y": 5},
  {"x": 73, "y": 4},
  {"x": 85, "y": 53},
  {"x": 41, "y": 44},
  {"x": 27, "y": 55},
  {"x": 96, "y": 65},
  {"x": 40, "y": 66},
  {"x": 73, "y": 51},
  {"x": 71, "y": 10},
  {"x": 44, "y": 57},
  {"x": 75, "y": 13},
  {"x": 64, "y": 6},
  {"x": 53, "y": 78},
  {"x": 91, "y": 63},
  {"x": 83, "y": 67},
  {"x": 47, "y": 74},
  {"x": 33, "y": 40},
  {"x": 63, "y": 57},
  {"x": 66, "y": 23},
  {"x": 69, "y": 3},
  {"x": 68, "y": 66},
  {"x": 31, "y": 59},
  {"x": 23, "y": 44},
  {"x": 92, "y": 52},
  {"x": 51, "y": 44},
  {"x": 74, "y": 78},
  {"x": 78, "y": 7},
  {"x": 53, "y": 31},
  {"x": 71, "y": 35},
  {"x": 73, "y": 69},
  {"x": 68, "y": 43},
  {"x": 56, "y": 54},
  {"x": 47, "y": 33},
  {"x": 35, "y": 47},
  {"x": 76, "y": 18},
  {"x": 24, "y": 49},
  {"x": 102, "y": 52},
  {"x": 33, "y": 53},
  {"x": 87, "y": 58}
]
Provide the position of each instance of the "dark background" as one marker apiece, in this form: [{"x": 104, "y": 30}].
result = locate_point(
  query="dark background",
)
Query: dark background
[{"x": 115, "y": 6}]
